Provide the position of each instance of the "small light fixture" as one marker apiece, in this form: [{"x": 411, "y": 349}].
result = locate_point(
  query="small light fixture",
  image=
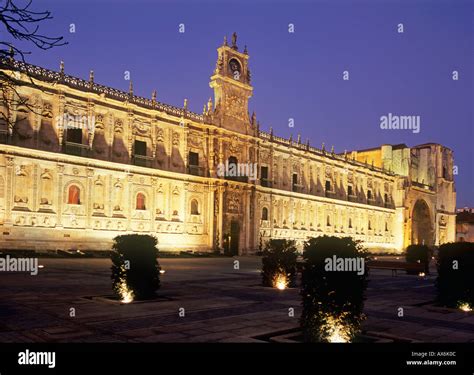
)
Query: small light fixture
[
  {"x": 464, "y": 306},
  {"x": 280, "y": 281}
]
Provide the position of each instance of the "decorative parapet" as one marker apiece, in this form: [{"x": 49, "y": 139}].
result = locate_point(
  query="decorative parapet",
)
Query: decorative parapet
[
  {"x": 47, "y": 75},
  {"x": 320, "y": 152},
  {"x": 90, "y": 86}
]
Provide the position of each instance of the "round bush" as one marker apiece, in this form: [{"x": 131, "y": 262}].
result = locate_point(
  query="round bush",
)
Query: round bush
[
  {"x": 134, "y": 261},
  {"x": 279, "y": 257},
  {"x": 419, "y": 254},
  {"x": 332, "y": 301}
]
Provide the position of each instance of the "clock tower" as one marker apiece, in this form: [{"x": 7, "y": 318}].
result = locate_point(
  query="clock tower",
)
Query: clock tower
[{"x": 232, "y": 89}]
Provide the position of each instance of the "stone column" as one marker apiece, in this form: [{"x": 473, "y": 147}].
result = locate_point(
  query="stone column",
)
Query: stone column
[
  {"x": 154, "y": 182},
  {"x": 35, "y": 191},
  {"x": 220, "y": 217},
  {"x": 184, "y": 148},
  {"x": 110, "y": 201},
  {"x": 247, "y": 228},
  {"x": 169, "y": 195},
  {"x": 153, "y": 139},
  {"x": 185, "y": 206},
  {"x": 60, "y": 169},
  {"x": 37, "y": 120},
  {"x": 211, "y": 155},
  {"x": 130, "y": 202},
  {"x": 90, "y": 196},
  {"x": 130, "y": 133},
  {"x": 9, "y": 176},
  {"x": 60, "y": 123},
  {"x": 221, "y": 152},
  {"x": 210, "y": 218},
  {"x": 90, "y": 122}
]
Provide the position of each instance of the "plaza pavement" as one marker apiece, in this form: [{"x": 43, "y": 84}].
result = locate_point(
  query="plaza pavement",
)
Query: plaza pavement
[{"x": 221, "y": 304}]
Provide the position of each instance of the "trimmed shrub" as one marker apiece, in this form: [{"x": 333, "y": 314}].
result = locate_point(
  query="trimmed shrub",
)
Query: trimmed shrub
[
  {"x": 279, "y": 258},
  {"x": 134, "y": 262},
  {"x": 419, "y": 254},
  {"x": 333, "y": 300},
  {"x": 455, "y": 281}
]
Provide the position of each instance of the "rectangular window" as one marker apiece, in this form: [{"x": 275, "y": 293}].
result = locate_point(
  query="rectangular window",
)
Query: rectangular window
[
  {"x": 193, "y": 164},
  {"x": 139, "y": 148},
  {"x": 193, "y": 159},
  {"x": 295, "y": 182},
  {"x": 74, "y": 136},
  {"x": 264, "y": 176}
]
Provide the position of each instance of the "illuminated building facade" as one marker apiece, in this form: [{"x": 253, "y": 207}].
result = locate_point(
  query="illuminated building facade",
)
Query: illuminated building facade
[{"x": 83, "y": 163}]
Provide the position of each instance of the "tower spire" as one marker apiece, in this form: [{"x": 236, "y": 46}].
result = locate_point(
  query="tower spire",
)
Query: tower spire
[
  {"x": 232, "y": 89},
  {"x": 234, "y": 41}
]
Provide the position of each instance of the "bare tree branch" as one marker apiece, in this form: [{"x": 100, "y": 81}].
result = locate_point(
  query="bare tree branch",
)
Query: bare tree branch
[{"x": 22, "y": 24}]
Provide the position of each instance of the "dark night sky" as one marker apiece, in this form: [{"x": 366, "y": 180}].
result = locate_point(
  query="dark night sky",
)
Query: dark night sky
[{"x": 294, "y": 75}]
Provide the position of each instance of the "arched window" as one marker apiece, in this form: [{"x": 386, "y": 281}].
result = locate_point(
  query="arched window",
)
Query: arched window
[
  {"x": 194, "y": 207},
  {"x": 350, "y": 223},
  {"x": 386, "y": 227},
  {"x": 264, "y": 213},
  {"x": 74, "y": 195},
  {"x": 140, "y": 204},
  {"x": 328, "y": 221},
  {"x": 369, "y": 227}
]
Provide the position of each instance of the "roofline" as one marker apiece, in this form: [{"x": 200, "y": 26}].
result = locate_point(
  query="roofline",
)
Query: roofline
[{"x": 52, "y": 76}]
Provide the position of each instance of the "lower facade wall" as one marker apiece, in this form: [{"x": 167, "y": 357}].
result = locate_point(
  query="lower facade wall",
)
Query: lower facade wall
[
  {"x": 299, "y": 218},
  {"x": 43, "y": 239},
  {"x": 53, "y": 201},
  {"x": 59, "y": 202}
]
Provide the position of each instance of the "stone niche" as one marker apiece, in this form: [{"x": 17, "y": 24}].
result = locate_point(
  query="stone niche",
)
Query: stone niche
[
  {"x": 22, "y": 196},
  {"x": 46, "y": 189}
]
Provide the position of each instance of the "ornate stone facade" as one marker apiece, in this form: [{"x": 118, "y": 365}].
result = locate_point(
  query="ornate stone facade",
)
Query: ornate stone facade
[{"x": 84, "y": 163}]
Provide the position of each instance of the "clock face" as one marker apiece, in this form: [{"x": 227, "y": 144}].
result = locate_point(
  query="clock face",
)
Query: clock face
[{"x": 234, "y": 67}]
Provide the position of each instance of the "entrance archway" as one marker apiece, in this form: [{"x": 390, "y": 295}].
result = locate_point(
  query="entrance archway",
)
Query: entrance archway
[{"x": 421, "y": 226}]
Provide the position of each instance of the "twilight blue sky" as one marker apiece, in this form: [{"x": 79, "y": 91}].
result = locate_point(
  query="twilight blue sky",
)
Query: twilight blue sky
[{"x": 294, "y": 75}]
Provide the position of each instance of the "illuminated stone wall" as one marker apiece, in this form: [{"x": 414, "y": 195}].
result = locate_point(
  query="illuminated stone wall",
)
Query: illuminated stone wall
[
  {"x": 130, "y": 165},
  {"x": 41, "y": 214}
]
